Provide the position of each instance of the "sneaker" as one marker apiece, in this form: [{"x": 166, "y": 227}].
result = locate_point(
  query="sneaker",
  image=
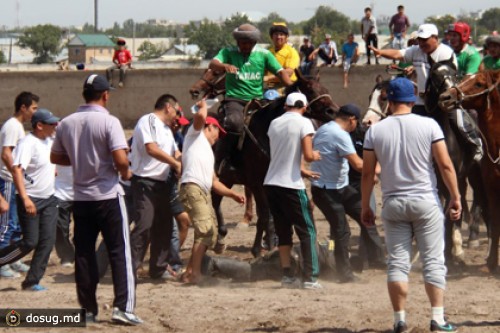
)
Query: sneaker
[
  {"x": 312, "y": 285},
  {"x": 90, "y": 318},
  {"x": 20, "y": 267},
  {"x": 120, "y": 84},
  {"x": 447, "y": 327},
  {"x": 8, "y": 273},
  {"x": 67, "y": 264},
  {"x": 349, "y": 278},
  {"x": 400, "y": 328},
  {"x": 290, "y": 282},
  {"x": 35, "y": 287},
  {"x": 126, "y": 318}
]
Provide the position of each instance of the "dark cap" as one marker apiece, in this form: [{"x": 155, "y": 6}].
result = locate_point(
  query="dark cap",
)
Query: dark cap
[
  {"x": 121, "y": 42},
  {"x": 97, "y": 83},
  {"x": 44, "y": 116},
  {"x": 401, "y": 90},
  {"x": 350, "y": 110}
]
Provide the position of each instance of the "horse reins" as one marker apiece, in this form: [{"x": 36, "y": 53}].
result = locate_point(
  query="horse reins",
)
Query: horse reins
[
  {"x": 212, "y": 85},
  {"x": 464, "y": 97}
]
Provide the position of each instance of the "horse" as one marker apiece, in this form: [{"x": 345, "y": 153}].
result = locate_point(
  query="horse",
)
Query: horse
[
  {"x": 481, "y": 92},
  {"x": 378, "y": 106},
  {"x": 252, "y": 159},
  {"x": 442, "y": 76}
]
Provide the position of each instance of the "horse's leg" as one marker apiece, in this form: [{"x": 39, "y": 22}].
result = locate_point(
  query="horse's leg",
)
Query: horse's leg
[
  {"x": 248, "y": 216},
  {"x": 479, "y": 204},
  {"x": 264, "y": 222},
  {"x": 221, "y": 225},
  {"x": 494, "y": 214}
]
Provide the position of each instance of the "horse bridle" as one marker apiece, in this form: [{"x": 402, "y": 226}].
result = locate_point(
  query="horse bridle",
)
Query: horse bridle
[
  {"x": 212, "y": 85},
  {"x": 463, "y": 97},
  {"x": 317, "y": 98},
  {"x": 487, "y": 92}
]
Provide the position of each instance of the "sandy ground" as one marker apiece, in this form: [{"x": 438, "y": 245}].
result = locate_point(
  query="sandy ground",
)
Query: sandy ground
[{"x": 471, "y": 299}]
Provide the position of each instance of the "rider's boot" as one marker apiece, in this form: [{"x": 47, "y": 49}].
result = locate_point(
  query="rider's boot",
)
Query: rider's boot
[
  {"x": 225, "y": 150},
  {"x": 468, "y": 129}
]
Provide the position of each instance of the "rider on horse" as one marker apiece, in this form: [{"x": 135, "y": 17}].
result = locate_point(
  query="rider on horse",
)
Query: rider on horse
[
  {"x": 286, "y": 55},
  {"x": 492, "y": 60},
  {"x": 245, "y": 65},
  {"x": 423, "y": 56},
  {"x": 467, "y": 56}
]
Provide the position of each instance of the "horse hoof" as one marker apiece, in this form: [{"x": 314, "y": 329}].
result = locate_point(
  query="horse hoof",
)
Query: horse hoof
[{"x": 471, "y": 244}]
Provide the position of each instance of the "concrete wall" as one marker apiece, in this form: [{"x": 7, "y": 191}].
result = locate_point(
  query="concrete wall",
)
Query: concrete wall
[{"x": 60, "y": 92}]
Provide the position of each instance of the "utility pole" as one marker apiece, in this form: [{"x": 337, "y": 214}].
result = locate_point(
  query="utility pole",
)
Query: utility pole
[{"x": 95, "y": 16}]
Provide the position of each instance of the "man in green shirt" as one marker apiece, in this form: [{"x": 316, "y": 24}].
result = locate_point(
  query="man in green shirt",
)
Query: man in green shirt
[
  {"x": 245, "y": 65},
  {"x": 467, "y": 56},
  {"x": 492, "y": 60},
  {"x": 468, "y": 60}
]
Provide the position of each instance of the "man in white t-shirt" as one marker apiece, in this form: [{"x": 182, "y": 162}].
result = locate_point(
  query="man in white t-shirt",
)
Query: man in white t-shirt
[
  {"x": 430, "y": 51},
  {"x": 12, "y": 131},
  {"x": 153, "y": 156},
  {"x": 290, "y": 138},
  {"x": 405, "y": 145},
  {"x": 198, "y": 179},
  {"x": 34, "y": 178}
]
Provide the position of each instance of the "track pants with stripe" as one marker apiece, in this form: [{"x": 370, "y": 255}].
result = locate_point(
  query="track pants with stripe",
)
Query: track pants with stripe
[
  {"x": 110, "y": 218},
  {"x": 290, "y": 207},
  {"x": 39, "y": 233}
]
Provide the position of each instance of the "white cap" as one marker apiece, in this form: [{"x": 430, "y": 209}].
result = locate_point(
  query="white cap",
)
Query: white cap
[
  {"x": 294, "y": 98},
  {"x": 328, "y": 36},
  {"x": 427, "y": 30},
  {"x": 414, "y": 35}
]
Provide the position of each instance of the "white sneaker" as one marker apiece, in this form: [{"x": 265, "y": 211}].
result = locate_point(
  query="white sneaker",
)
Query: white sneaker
[
  {"x": 19, "y": 266},
  {"x": 312, "y": 285},
  {"x": 7, "y": 273},
  {"x": 126, "y": 318}
]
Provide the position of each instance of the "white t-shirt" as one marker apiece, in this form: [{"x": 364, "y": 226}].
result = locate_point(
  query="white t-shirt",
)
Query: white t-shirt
[
  {"x": 33, "y": 155},
  {"x": 420, "y": 62},
  {"x": 285, "y": 138},
  {"x": 403, "y": 147},
  {"x": 10, "y": 134},
  {"x": 151, "y": 129},
  {"x": 64, "y": 183},
  {"x": 197, "y": 160}
]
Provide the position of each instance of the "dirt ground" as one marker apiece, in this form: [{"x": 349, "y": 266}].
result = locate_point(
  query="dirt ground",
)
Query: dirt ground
[{"x": 471, "y": 299}]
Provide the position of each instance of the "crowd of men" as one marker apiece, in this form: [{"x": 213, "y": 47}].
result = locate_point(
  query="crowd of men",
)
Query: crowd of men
[{"x": 83, "y": 164}]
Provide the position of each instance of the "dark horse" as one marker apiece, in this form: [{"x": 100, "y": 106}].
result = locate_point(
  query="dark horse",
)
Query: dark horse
[
  {"x": 442, "y": 76},
  {"x": 252, "y": 160},
  {"x": 481, "y": 93}
]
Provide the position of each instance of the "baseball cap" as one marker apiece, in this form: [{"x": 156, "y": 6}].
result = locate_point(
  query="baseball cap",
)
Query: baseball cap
[
  {"x": 44, "y": 116},
  {"x": 182, "y": 121},
  {"x": 213, "y": 121},
  {"x": 351, "y": 110},
  {"x": 121, "y": 41},
  {"x": 401, "y": 90},
  {"x": 295, "y": 97},
  {"x": 97, "y": 83},
  {"x": 427, "y": 30}
]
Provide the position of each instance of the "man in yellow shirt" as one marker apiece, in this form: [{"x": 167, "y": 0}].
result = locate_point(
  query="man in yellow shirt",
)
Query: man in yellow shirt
[{"x": 286, "y": 55}]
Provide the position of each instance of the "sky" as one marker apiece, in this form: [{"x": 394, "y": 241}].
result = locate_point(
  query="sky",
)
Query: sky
[{"x": 66, "y": 13}]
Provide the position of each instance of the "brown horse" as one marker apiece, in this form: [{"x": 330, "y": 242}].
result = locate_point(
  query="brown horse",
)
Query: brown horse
[
  {"x": 253, "y": 158},
  {"x": 481, "y": 92}
]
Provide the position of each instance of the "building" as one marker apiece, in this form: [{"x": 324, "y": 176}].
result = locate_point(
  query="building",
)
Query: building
[{"x": 90, "y": 48}]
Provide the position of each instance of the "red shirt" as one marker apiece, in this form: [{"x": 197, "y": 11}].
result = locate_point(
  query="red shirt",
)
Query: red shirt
[{"x": 123, "y": 56}]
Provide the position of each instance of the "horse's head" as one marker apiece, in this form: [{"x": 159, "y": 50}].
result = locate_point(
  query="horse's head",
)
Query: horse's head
[
  {"x": 472, "y": 93},
  {"x": 210, "y": 85},
  {"x": 378, "y": 106},
  {"x": 442, "y": 76},
  {"x": 321, "y": 106}
]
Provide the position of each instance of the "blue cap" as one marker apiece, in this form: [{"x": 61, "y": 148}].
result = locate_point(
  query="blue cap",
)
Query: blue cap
[
  {"x": 401, "y": 90},
  {"x": 97, "y": 83},
  {"x": 350, "y": 110},
  {"x": 271, "y": 94},
  {"x": 44, "y": 116}
]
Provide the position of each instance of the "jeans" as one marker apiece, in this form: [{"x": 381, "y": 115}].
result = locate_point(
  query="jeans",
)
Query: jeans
[{"x": 10, "y": 229}]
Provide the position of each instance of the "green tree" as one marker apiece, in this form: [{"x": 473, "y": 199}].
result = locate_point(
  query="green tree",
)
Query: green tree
[
  {"x": 209, "y": 37},
  {"x": 230, "y": 24},
  {"x": 43, "y": 40},
  {"x": 490, "y": 19},
  {"x": 327, "y": 20},
  {"x": 150, "y": 50},
  {"x": 441, "y": 22},
  {"x": 3, "y": 59}
]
